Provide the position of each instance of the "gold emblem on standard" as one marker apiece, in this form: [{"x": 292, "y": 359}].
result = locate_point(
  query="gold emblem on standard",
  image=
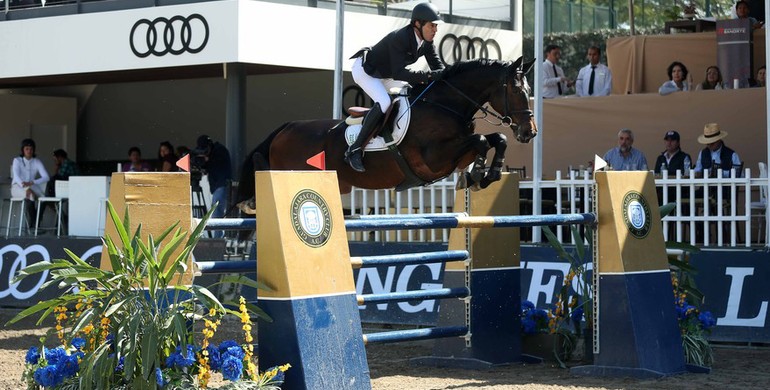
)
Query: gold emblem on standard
[
  {"x": 636, "y": 214},
  {"x": 310, "y": 218}
]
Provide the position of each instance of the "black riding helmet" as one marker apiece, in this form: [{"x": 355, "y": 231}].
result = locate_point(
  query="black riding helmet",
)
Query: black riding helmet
[
  {"x": 27, "y": 142},
  {"x": 426, "y": 12}
]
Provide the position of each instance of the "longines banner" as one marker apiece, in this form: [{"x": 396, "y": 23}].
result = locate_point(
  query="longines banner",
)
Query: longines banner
[{"x": 733, "y": 282}]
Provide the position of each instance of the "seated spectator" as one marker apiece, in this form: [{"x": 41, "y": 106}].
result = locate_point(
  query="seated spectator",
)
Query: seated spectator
[
  {"x": 29, "y": 178},
  {"x": 759, "y": 80},
  {"x": 594, "y": 79},
  {"x": 625, "y": 157},
  {"x": 677, "y": 79},
  {"x": 167, "y": 157},
  {"x": 64, "y": 169},
  {"x": 742, "y": 11},
  {"x": 673, "y": 158},
  {"x": 716, "y": 155},
  {"x": 713, "y": 79},
  {"x": 136, "y": 164}
]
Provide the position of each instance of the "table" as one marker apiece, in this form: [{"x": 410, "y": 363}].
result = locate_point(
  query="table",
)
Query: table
[{"x": 696, "y": 25}]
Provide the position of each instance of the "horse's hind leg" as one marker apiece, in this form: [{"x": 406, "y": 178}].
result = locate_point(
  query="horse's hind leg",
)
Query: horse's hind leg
[{"x": 500, "y": 143}]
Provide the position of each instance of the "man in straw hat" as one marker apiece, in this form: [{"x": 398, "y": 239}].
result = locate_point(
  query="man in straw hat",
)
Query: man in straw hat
[{"x": 716, "y": 155}]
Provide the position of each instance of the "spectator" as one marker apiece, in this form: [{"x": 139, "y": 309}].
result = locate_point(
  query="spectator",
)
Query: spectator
[
  {"x": 554, "y": 83},
  {"x": 166, "y": 157},
  {"x": 182, "y": 151},
  {"x": 759, "y": 80},
  {"x": 673, "y": 158},
  {"x": 713, "y": 79},
  {"x": 677, "y": 79},
  {"x": 29, "y": 178},
  {"x": 742, "y": 11},
  {"x": 135, "y": 163},
  {"x": 216, "y": 163},
  {"x": 594, "y": 79},
  {"x": 625, "y": 157},
  {"x": 64, "y": 169},
  {"x": 716, "y": 155}
]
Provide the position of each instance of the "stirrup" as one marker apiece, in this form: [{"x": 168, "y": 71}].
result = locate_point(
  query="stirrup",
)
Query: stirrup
[{"x": 355, "y": 159}]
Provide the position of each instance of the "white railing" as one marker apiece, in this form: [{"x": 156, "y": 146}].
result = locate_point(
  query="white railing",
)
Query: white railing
[{"x": 724, "y": 219}]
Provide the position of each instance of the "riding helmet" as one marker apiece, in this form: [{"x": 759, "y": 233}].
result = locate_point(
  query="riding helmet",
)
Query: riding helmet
[{"x": 426, "y": 12}]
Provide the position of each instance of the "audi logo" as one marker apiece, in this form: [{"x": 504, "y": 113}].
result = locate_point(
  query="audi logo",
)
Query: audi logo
[
  {"x": 466, "y": 48},
  {"x": 180, "y": 35}
]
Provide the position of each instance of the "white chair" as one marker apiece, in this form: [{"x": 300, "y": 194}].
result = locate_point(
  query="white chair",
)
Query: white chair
[
  {"x": 61, "y": 192},
  {"x": 22, "y": 220},
  {"x": 759, "y": 207}
]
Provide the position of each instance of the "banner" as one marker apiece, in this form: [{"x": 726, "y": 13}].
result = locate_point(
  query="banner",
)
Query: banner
[{"x": 734, "y": 52}]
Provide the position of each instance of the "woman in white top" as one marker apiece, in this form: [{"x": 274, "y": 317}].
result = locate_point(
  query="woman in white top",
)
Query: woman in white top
[
  {"x": 29, "y": 174},
  {"x": 677, "y": 79}
]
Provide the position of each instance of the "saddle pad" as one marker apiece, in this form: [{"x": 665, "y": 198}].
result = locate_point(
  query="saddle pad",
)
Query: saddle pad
[{"x": 377, "y": 143}]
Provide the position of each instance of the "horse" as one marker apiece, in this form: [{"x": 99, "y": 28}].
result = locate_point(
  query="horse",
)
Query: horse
[{"x": 439, "y": 140}]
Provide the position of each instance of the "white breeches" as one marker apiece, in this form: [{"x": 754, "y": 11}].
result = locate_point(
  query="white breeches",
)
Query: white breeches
[{"x": 376, "y": 88}]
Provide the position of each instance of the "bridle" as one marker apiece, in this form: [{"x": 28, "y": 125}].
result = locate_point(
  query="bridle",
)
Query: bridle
[{"x": 507, "y": 118}]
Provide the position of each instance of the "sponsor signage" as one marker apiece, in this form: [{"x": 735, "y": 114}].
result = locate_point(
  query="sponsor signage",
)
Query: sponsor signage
[
  {"x": 733, "y": 282},
  {"x": 734, "y": 51}
]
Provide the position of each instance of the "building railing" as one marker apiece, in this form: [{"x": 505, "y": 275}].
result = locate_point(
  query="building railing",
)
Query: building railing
[{"x": 709, "y": 212}]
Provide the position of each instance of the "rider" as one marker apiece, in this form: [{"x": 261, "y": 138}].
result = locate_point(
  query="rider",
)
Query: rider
[{"x": 377, "y": 66}]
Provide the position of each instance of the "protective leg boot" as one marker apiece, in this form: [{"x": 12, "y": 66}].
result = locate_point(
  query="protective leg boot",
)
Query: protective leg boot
[{"x": 355, "y": 153}]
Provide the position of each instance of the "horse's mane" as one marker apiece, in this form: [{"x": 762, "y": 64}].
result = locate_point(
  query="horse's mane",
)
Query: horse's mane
[{"x": 470, "y": 65}]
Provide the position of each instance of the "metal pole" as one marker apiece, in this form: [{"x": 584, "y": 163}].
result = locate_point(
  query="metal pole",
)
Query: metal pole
[
  {"x": 767, "y": 130},
  {"x": 537, "y": 150},
  {"x": 338, "y": 47}
]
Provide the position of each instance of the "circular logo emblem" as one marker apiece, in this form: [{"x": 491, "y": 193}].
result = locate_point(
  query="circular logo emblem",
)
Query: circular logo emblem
[
  {"x": 175, "y": 35},
  {"x": 636, "y": 214},
  {"x": 310, "y": 218}
]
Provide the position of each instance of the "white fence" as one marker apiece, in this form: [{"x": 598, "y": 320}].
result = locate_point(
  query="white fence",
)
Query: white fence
[{"x": 721, "y": 212}]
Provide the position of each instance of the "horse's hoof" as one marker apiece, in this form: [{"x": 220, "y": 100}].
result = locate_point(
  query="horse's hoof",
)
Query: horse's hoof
[
  {"x": 247, "y": 207},
  {"x": 476, "y": 187}
]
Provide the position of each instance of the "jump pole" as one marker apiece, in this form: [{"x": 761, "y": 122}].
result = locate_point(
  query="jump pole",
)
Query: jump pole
[{"x": 304, "y": 258}]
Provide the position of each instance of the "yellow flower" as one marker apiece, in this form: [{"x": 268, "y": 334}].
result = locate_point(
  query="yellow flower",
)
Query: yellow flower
[{"x": 284, "y": 367}]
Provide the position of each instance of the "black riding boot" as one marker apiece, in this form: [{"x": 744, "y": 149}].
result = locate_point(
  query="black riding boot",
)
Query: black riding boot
[{"x": 355, "y": 154}]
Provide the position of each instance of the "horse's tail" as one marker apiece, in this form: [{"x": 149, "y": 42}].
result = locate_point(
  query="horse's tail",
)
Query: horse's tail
[{"x": 257, "y": 160}]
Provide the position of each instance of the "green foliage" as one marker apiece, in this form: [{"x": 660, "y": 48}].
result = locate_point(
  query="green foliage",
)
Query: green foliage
[{"x": 134, "y": 316}]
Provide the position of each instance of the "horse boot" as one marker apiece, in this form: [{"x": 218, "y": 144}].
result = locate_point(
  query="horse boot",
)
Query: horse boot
[{"x": 355, "y": 153}]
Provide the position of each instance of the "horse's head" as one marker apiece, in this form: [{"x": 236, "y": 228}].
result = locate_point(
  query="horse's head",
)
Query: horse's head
[{"x": 511, "y": 100}]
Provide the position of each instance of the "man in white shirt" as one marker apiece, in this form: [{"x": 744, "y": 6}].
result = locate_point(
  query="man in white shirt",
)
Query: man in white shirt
[
  {"x": 594, "y": 79},
  {"x": 554, "y": 83}
]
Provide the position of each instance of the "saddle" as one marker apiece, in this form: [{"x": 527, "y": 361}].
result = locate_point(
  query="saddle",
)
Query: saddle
[{"x": 390, "y": 131}]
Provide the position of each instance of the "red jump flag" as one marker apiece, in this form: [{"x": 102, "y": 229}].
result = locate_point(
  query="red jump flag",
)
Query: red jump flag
[{"x": 318, "y": 161}]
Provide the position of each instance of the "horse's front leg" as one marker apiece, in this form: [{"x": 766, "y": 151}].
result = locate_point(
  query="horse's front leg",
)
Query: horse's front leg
[
  {"x": 473, "y": 179},
  {"x": 500, "y": 143}
]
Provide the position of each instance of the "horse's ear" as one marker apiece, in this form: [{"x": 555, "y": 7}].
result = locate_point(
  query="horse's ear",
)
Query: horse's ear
[
  {"x": 528, "y": 66},
  {"x": 516, "y": 64}
]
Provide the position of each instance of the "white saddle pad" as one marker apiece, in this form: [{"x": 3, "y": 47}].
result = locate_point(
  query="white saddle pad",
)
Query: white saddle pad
[{"x": 378, "y": 143}]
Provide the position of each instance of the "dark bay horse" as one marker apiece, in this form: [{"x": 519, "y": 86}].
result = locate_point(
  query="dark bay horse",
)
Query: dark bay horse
[{"x": 440, "y": 138}]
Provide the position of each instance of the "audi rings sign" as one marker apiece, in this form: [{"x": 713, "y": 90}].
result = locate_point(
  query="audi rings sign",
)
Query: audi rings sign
[
  {"x": 175, "y": 35},
  {"x": 453, "y": 48}
]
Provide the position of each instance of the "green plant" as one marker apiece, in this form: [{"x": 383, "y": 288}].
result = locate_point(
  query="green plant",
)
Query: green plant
[
  {"x": 694, "y": 324},
  {"x": 574, "y": 298},
  {"x": 133, "y": 326}
]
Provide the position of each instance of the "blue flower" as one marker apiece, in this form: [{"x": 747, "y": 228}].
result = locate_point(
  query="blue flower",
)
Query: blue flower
[
  {"x": 236, "y": 352},
  {"x": 78, "y": 343},
  {"x": 159, "y": 377},
  {"x": 54, "y": 356},
  {"x": 68, "y": 366},
  {"x": 707, "y": 320},
  {"x": 48, "y": 376},
  {"x": 121, "y": 363},
  {"x": 215, "y": 359},
  {"x": 32, "y": 355},
  {"x": 181, "y": 359},
  {"x": 529, "y": 325},
  {"x": 227, "y": 344},
  {"x": 577, "y": 315},
  {"x": 232, "y": 368},
  {"x": 527, "y": 305}
]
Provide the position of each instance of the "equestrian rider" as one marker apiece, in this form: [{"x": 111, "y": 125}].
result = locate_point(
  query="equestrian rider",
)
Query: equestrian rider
[{"x": 377, "y": 66}]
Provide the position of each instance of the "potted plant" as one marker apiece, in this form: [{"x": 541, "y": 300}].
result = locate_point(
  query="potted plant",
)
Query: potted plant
[{"x": 133, "y": 327}]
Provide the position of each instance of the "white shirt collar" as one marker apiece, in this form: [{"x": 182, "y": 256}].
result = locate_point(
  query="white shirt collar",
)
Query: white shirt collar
[{"x": 417, "y": 38}]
